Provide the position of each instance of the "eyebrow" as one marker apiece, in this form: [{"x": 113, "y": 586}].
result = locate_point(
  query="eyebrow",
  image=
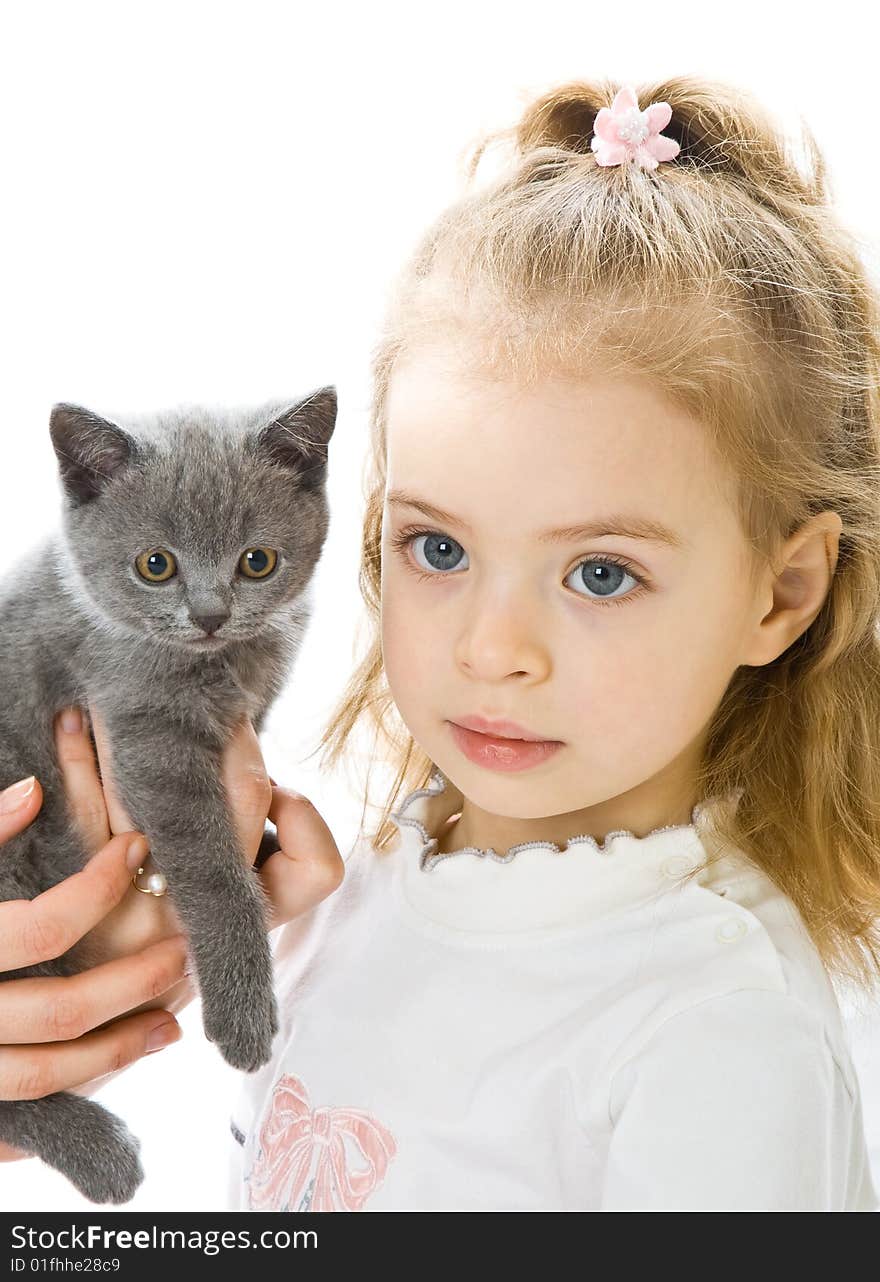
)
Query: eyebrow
[{"x": 621, "y": 526}]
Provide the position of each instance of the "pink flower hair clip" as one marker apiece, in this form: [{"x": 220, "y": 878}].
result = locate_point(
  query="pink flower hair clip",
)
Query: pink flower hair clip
[{"x": 623, "y": 132}]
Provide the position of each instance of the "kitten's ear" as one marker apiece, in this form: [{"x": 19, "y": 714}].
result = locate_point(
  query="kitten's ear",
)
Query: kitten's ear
[
  {"x": 90, "y": 450},
  {"x": 297, "y": 436}
]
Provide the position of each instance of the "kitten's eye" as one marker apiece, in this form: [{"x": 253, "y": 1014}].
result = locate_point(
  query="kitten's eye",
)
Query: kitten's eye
[
  {"x": 156, "y": 566},
  {"x": 257, "y": 563}
]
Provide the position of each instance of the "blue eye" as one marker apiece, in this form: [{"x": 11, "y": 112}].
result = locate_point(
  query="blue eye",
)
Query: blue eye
[
  {"x": 604, "y": 575},
  {"x": 439, "y": 550},
  {"x": 440, "y": 553}
]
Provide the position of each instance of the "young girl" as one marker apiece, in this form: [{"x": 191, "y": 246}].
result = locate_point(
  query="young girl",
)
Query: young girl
[
  {"x": 622, "y": 558},
  {"x": 622, "y": 554}
]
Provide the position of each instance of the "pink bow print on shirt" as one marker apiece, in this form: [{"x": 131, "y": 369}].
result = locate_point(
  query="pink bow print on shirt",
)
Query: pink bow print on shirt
[
  {"x": 623, "y": 132},
  {"x": 297, "y": 1142}
]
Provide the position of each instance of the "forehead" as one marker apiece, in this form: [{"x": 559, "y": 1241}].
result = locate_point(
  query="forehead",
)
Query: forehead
[{"x": 566, "y": 449}]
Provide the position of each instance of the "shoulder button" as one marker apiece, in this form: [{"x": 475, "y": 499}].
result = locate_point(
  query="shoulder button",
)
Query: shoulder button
[
  {"x": 676, "y": 865},
  {"x": 731, "y": 930}
]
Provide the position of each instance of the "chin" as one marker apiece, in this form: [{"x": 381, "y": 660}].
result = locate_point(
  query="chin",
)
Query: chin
[
  {"x": 182, "y": 642},
  {"x": 205, "y": 643}
]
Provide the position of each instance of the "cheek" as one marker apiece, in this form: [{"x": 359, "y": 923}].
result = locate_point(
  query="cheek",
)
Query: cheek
[
  {"x": 413, "y": 640},
  {"x": 150, "y": 602},
  {"x": 645, "y": 689}
]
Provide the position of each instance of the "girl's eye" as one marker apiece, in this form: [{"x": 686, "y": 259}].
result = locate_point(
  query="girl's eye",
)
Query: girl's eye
[
  {"x": 604, "y": 574},
  {"x": 439, "y": 552},
  {"x": 156, "y": 566}
]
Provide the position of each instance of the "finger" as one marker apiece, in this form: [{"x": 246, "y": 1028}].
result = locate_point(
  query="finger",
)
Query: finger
[
  {"x": 59, "y": 1009},
  {"x": 120, "y": 819},
  {"x": 137, "y": 921},
  {"x": 82, "y": 784},
  {"x": 248, "y": 790},
  {"x": 35, "y": 930},
  {"x": 308, "y": 867},
  {"x": 31, "y": 1072},
  {"x": 10, "y": 1154},
  {"x": 19, "y": 806}
]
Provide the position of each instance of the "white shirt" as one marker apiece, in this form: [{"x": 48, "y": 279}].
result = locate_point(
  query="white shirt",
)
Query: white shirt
[{"x": 553, "y": 1029}]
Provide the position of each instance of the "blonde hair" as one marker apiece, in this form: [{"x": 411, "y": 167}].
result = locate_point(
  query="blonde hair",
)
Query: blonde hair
[{"x": 725, "y": 277}]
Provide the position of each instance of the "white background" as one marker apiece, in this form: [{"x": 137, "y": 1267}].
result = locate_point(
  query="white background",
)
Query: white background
[{"x": 207, "y": 201}]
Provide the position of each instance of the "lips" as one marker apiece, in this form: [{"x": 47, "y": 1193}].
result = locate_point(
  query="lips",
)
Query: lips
[
  {"x": 502, "y": 752},
  {"x": 500, "y": 729}
]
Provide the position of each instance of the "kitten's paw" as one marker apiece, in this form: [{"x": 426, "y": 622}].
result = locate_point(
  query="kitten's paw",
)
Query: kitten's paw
[
  {"x": 108, "y": 1168},
  {"x": 243, "y": 1036}
]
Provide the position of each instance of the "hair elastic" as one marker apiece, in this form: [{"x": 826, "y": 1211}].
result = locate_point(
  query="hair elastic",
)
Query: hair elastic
[{"x": 622, "y": 132}]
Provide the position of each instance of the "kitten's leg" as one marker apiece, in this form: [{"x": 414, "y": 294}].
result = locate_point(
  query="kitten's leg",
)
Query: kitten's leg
[
  {"x": 81, "y": 1139},
  {"x": 75, "y": 1136},
  {"x": 220, "y": 900},
  {"x": 268, "y": 846}
]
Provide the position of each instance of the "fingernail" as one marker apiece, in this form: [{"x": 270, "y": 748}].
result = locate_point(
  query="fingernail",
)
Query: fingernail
[
  {"x": 137, "y": 853},
  {"x": 162, "y": 1035},
  {"x": 71, "y": 721},
  {"x": 15, "y": 796}
]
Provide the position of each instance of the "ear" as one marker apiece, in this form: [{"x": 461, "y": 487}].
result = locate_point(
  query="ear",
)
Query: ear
[
  {"x": 798, "y": 589},
  {"x": 297, "y": 436},
  {"x": 90, "y": 450}
]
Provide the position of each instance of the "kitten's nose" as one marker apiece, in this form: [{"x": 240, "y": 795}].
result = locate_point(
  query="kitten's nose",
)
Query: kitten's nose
[{"x": 210, "y": 622}]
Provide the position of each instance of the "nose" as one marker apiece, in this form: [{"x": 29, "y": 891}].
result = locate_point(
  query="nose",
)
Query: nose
[
  {"x": 502, "y": 637},
  {"x": 210, "y": 622}
]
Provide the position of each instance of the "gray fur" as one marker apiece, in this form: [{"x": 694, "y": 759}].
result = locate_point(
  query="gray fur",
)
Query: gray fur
[{"x": 79, "y": 625}]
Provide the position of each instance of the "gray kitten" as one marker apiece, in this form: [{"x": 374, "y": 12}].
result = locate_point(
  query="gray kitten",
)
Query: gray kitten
[{"x": 174, "y": 600}]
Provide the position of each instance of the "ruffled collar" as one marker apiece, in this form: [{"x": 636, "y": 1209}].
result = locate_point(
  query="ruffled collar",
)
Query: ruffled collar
[{"x": 536, "y": 885}]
